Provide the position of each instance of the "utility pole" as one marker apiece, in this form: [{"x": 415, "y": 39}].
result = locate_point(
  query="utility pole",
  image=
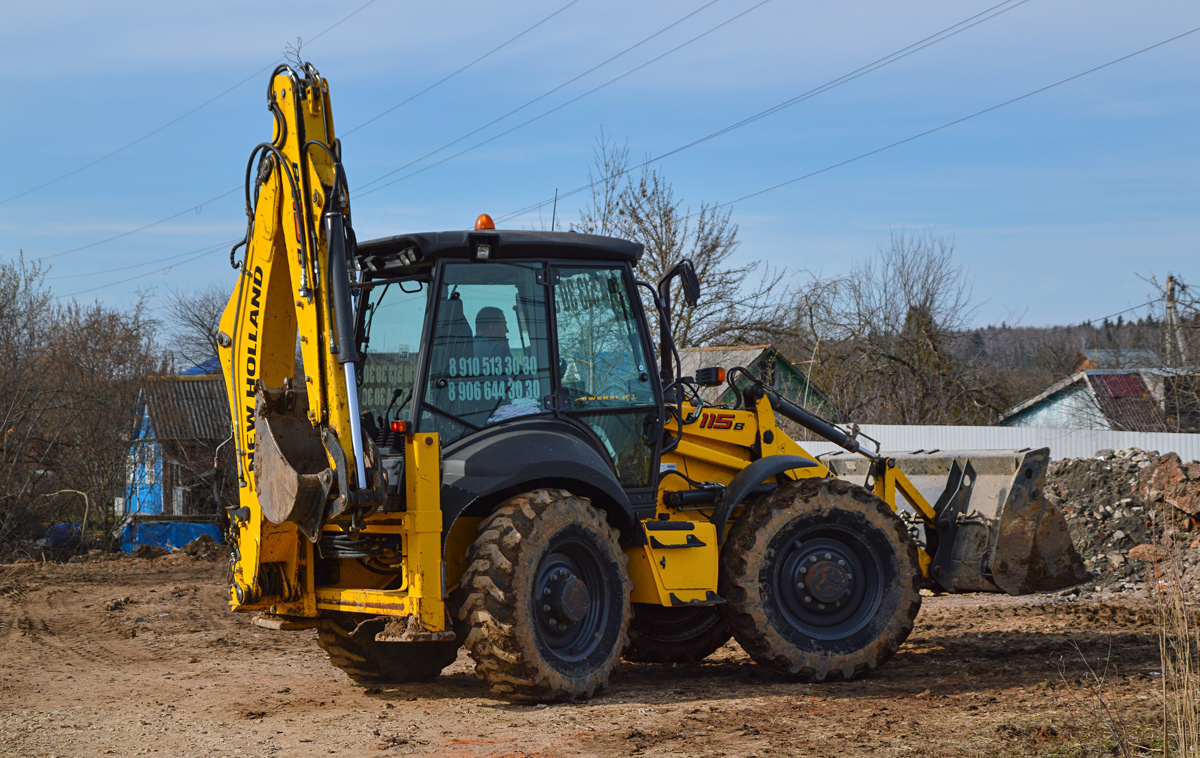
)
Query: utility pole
[{"x": 1176, "y": 355}]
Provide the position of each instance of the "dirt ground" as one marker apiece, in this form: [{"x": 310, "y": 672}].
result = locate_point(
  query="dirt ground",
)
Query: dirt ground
[{"x": 171, "y": 672}]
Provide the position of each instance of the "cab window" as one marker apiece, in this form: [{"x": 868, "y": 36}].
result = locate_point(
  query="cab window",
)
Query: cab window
[
  {"x": 603, "y": 361},
  {"x": 489, "y": 357},
  {"x": 395, "y": 316}
]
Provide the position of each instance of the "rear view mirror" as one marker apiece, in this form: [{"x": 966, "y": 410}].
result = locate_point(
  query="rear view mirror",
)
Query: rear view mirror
[{"x": 687, "y": 274}]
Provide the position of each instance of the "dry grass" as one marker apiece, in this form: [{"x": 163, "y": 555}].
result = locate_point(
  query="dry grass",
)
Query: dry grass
[{"x": 1179, "y": 645}]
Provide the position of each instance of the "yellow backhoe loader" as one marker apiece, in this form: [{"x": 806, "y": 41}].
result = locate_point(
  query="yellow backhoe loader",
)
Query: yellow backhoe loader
[{"x": 481, "y": 450}]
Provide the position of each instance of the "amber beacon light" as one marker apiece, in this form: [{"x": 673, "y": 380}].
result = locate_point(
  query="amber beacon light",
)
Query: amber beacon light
[{"x": 484, "y": 222}]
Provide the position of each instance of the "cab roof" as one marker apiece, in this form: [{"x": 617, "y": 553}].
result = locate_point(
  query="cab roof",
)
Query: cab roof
[{"x": 504, "y": 244}]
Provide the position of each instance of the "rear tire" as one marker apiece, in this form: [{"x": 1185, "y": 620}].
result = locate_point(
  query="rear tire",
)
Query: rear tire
[
  {"x": 546, "y": 598},
  {"x": 658, "y": 634},
  {"x": 349, "y": 640},
  {"x": 822, "y": 580}
]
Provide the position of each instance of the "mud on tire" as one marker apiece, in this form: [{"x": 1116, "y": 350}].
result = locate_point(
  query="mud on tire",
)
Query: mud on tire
[
  {"x": 545, "y": 598},
  {"x": 822, "y": 580},
  {"x": 349, "y": 640}
]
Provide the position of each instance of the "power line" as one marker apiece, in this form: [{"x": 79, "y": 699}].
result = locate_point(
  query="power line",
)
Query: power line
[
  {"x": 869, "y": 153},
  {"x": 565, "y": 104},
  {"x": 206, "y": 248},
  {"x": 195, "y": 208},
  {"x": 539, "y": 97},
  {"x": 946, "y": 33},
  {"x": 207, "y": 251},
  {"x": 228, "y": 192},
  {"x": 956, "y": 121},
  {"x": 878, "y": 63},
  {"x": 224, "y": 194},
  {"x": 178, "y": 118},
  {"x": 1101, "y": 318},
  {"x": 458, "y": 71}
]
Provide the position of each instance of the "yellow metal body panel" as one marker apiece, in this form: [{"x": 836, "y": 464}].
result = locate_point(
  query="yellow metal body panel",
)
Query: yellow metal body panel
[
  {"x": 423, "y": 528},
  {"x": 666, "y": 566},
  {"x": 716, "y": 446}
]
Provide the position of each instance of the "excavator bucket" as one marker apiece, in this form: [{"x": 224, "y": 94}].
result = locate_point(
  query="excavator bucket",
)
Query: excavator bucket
[
  {"x": 994, "y": 530},
  {"x": 291, "y": 470}
]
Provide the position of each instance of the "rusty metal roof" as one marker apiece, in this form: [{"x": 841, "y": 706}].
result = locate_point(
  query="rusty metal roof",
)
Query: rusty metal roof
[
  {"x": 1126, "y": 402},
  {"x": 187, "y": 408}
]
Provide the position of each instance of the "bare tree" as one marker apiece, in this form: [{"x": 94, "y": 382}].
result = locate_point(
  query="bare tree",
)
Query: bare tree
[
  {"x": 606, "y": 177},
  {"x": 889, "y": 343},
  {"x": 193, "y": 320},
  {"x": 69, "y": 386},
  {"x": 736, "y": 301}
]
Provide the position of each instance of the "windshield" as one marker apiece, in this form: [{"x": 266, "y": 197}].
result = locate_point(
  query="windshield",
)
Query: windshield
[{"x": 392, "y": 342}]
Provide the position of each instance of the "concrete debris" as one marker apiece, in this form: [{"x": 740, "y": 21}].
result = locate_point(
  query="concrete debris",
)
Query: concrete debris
[{"x": 1134, "y": 516}]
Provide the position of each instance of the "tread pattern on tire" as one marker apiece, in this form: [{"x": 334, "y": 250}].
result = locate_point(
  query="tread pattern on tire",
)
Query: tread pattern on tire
[
  {"x": 366, "y": 661},
  {"x": 747, "y": 549},
  {"x": 501, "y": 637}
]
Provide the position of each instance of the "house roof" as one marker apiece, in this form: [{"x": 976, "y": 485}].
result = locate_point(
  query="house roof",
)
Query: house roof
[
  {"x": 1122, "y": 396},
  {"x": 746, "y": 356},
  {"x": 210, "y": 366},
  {"x": 187, "y": 408},
  {"x": 724, "y": 356}
]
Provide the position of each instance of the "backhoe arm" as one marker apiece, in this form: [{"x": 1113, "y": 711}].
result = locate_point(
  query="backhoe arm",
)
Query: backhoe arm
[{"x": 300, "y": 453}]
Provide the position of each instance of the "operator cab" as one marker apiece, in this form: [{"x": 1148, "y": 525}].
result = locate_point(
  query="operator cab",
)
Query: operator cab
[{"x": 472, "y": 334}]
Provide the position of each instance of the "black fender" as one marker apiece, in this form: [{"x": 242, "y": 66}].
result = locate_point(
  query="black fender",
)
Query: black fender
[
  {"x": 488, "y": 466},
  {"x": 747, "y": 480}
]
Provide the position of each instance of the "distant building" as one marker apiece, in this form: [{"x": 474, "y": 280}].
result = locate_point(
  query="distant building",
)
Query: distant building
[
  {"x": 764, "y": 362},
  {"x": 1113, "y": 358},
  {"x": 180, "y": 422},
  {"x": 1112, "y": 399}
]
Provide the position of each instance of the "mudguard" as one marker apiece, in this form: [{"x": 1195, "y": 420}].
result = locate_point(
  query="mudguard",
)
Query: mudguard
[
  {"x": 747, "y": 480},
  {"x": 523, "y": 455}
]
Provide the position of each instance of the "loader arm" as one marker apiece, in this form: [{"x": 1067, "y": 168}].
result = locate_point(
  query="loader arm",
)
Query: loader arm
[{"x": 300, "y": 453}]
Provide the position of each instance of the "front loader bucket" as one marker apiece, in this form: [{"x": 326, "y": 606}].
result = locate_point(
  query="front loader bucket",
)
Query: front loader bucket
[{"x": 994, "y": 530}]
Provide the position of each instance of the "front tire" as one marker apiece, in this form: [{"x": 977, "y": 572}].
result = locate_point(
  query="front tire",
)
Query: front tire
[
  {"x": 822, "y": 580},
  {"x": 545, "y": 598}
]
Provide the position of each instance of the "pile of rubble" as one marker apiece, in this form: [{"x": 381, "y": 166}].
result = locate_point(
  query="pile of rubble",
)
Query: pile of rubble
[{"x": 1128, "y": 510}]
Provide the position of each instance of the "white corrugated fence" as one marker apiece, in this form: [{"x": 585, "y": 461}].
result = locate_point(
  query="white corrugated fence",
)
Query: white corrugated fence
[{"x": 1063, "y": 443}]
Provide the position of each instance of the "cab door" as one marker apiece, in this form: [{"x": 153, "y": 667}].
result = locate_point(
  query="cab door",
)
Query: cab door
[{"x": 606, "y": 380}]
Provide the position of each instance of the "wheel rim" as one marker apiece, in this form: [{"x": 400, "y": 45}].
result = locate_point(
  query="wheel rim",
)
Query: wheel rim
[
  {"x": 572, "y": 602},
  {"x": 828, "y": 581}
]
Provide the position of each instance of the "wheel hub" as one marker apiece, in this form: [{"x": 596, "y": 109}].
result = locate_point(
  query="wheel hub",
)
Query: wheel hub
[
  {"x": 828, "y": 582},
  {"x": 568, "y": 599}
]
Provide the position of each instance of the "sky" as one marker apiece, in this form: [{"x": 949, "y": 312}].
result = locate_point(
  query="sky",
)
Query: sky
[{"x": 128, "y": 125}]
